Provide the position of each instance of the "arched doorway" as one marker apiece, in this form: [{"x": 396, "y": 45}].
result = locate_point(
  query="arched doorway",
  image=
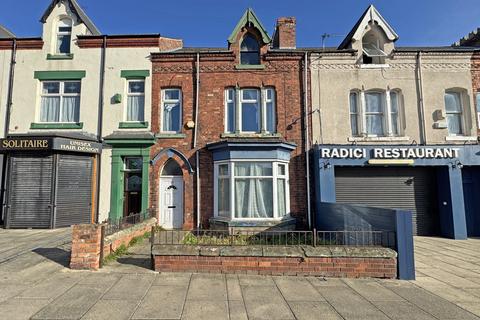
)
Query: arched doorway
[{"x": 170, "y": 195}]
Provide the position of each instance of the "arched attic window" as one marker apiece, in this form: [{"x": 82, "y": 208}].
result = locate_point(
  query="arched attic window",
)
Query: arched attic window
[
  {"x": 250, "y": 50},
  {"x": 64, "y": 36},
  {"x": 372, "y": 47}
]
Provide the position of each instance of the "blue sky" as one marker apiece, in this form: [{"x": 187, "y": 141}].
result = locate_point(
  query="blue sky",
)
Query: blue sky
[{"x": 209, "y": 22}]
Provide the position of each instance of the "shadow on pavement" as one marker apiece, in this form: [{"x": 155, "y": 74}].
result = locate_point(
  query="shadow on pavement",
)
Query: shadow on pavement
[
  {"x": 60, "y": 256},
  {"x": 142, "y": 261}
]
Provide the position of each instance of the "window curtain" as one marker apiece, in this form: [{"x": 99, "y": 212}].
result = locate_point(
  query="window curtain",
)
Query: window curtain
[
  {"x": 394, "y": 112},
  {"x": 171, "y": 117},
  {"x": 70, "y": 110},
  {"x": 281, "y": 197},
  {"x": 135, "y": 108},
  {"x": 253, "y": 196},
  {"x": 224, "y": 197},
  {"x": 270, "y": 117},
  {"x": 50, "y": 110}
]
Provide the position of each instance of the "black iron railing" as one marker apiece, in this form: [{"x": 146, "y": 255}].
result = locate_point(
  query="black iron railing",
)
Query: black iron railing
[
  {"x": 274, "y": 238},
  {"x": 113, "y": 226}
]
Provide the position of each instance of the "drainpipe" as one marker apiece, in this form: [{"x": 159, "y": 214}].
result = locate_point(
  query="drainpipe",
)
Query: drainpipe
[
  {"x": 100, "y": 121},
  {"x": 13, "y": 62},
  {"x": 195, "y": 132},
  {"x": 422, "y": 104},
  {"x": 307, "y": 141}
]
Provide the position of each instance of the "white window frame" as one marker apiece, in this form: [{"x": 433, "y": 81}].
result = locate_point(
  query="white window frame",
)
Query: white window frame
[
  {"x": 59, "y": 33},
  {"x": 226, "y": 102},
  {"x": 462, "y": 113},
  {"x": 231, "y": 170},
  {"x": 355, "y": 114},
  {"x": 477, "y": 108},
  {"x": 165, "y": 101},
  {"x": 61, "y": 94},
  {"x": 386, "y": 113},
  {"x": 134, "y": 94},
  {"x": 261, "y": 102}
]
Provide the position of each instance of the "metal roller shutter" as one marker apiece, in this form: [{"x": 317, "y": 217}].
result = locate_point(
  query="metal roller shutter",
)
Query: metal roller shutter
[
  {"x": 30, "y": 191},
  {"x": 74, "y": 190},
  {"x": 412, "y": 189}
]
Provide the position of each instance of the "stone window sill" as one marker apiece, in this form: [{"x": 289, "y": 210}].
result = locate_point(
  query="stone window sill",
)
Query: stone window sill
[
  {"x": 250, "y": 67},
  {"x": 170, "y": 136},
  {"x": 374, "y": 66},
  {"x": 77, "y": 125},
  {"x": 377, "y": 139},
  {"x": 460, "y": 138},
  {"x": 60, "y": 56},
  {"x": 133, "y": 125}
]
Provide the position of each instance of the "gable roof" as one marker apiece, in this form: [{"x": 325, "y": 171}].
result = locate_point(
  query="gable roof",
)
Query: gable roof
[
  {"x": 77, "y": 10},
  {"x": 371, "y": 14},
  {"x": 249, "y": 17},
  {"x": 5, "y": 33}
]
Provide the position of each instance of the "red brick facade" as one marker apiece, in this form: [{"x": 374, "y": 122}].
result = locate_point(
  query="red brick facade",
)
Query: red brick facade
[
  {"x": 218, "y": 71},
  {"x": 328, "y": 267}
]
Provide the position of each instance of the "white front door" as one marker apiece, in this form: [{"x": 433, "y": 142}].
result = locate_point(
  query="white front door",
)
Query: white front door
[{"x": 171, "y": 202}]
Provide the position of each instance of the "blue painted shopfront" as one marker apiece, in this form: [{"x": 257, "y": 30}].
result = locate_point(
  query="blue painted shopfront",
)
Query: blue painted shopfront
[{"x": 457, "y": 169}]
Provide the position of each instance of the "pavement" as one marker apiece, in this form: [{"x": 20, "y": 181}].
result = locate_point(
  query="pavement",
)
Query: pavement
[{"x": 38, "y": 285}]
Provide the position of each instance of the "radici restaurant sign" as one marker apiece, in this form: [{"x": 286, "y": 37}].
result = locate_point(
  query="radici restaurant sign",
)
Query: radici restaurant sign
[
  {"x": 49, "y": 143},
  {"x": 390, "y": 153}
]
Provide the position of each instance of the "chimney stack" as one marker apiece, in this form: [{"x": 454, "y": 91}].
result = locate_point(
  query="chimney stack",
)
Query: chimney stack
[{"x": 285, "y": 33}]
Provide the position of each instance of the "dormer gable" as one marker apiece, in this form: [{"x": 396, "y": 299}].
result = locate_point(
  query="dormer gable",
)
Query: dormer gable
[
  {"x": 371, "y": 36},
  {"x": 249, "y": 40},
  {"x": 5, "y": 33},
  {"x": 75, "y": 11}
]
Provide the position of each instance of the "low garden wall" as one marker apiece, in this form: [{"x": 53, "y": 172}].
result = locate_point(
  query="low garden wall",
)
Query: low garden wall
[
  {"x": 90, "y": 246},
  {"x": 328, "y": 261}
]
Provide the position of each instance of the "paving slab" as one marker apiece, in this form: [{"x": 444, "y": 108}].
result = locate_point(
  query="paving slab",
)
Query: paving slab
[
  {"x": 111, "y": 309},
  {"x": 254, "y": 280},
  {"x": 71, "y": 305},
  {"x": 130, "y": 287},
  {"x": 20, "y": 309},
  {"x": 372, "y": 290},
  {"x": 172, "y": 279},
  {"x": 313, "y": 310},
  {"x": 265, "y": 302},
  {"x": 402, "y": 310},
  {"x": 207, "y": 287},
  {"x": 162, "y": 302},
  {"x": 11, "y": 290},
  {"x": 234, "y": 292},
  {"x": 52, "y": 287},
  {"x": 297, "y": 289},
  {"x": 205, "y": 310},
  {"x": 237, "y": 310}
]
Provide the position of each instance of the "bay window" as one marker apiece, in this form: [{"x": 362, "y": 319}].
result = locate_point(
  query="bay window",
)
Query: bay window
[
  {"x": 375, "y": 113},
  {"x": 60, "y": 101},
  {"x": 136, "y": 100},
  {"x": 251, "y": 189},
  {"x": 171, "y": 110},
  {"x": 250, "y": 110}
]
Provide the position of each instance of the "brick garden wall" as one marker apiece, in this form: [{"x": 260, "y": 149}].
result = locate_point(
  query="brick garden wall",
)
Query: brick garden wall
[{"x": 327, "y": 267}]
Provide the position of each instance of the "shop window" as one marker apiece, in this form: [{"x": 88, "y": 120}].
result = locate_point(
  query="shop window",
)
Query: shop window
[
  {"x": 375, "y": 113},
  {"x": 60, "y": 101},
  {"x": 250, "y": 51},
  {"x": 135, "y": 100},
  {"x": 64, "y": 36},
  {"x": 257, "y": 110},
  {"x": 260, "y": 190},
  {"x": 171, "y": 110},
  {"x": 454, "y": 113},
  {"x": 372, "y": 48}
]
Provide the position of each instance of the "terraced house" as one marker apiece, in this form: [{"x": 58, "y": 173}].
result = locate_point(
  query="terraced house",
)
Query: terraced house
[
  {"x": 396, "y": 127},
  {"x": 230, "y": 132},
  {"x": 78, "y": 139}
]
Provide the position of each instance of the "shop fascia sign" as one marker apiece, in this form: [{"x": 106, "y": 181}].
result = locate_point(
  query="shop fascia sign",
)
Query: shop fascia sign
[
  {"x": 62, "y": 144},
  {"x": 390, "y": 153}
]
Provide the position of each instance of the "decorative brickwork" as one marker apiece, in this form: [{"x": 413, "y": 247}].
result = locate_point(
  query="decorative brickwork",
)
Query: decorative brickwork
[
  {"x": 86, "y": 246},
  {"x": 328, "y": 267}
]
